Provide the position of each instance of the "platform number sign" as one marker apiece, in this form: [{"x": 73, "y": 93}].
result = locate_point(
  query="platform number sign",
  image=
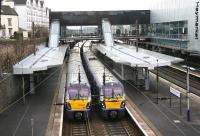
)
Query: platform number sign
[{"x": 197, "y": 20}]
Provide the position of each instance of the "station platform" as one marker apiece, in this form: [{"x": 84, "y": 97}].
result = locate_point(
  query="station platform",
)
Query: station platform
[
  {"x": 168, "y": 121},
  {"x": 16, "y": 120},
  {"x": 43, "y": 59},
  {"x": 55, "y": 124},
  {"x": 147, "y": 128}
]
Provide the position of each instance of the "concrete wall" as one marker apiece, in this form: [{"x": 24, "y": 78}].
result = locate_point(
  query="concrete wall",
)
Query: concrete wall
[
  {"x": 11, "y": 89},
  {"x": 177, "y": 10}
]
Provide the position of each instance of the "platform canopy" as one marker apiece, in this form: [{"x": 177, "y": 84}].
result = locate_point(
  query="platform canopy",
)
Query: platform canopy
[
  {"x": 128, "y": 55},
  {"x": 45, "y": 58}
]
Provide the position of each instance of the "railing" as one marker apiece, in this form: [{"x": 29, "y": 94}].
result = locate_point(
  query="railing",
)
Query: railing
[
  {"x": 169, "y": 36},
  {"x": 149, "y": 35}
]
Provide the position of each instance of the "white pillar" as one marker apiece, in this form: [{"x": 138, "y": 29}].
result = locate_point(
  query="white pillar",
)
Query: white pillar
[
  {"x": 136, "y": 75},
  {"x": 32, "y": 84},
  {"x": 146, "y": 79}
]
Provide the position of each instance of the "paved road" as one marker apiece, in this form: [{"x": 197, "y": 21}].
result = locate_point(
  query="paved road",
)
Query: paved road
[
  {"x": 16, "y": 121},
  {"x": 161, "y": 115}
]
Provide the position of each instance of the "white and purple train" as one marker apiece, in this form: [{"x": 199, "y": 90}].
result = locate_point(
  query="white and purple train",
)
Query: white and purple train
[{"x": 77, "y": 90}]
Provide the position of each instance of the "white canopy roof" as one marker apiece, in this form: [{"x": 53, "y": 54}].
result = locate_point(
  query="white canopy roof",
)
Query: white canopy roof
[
  {"x": 45, "y": 58},
  {"x": 128, "y": 55}
]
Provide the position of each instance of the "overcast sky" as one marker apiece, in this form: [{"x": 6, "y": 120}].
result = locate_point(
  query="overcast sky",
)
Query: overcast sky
[{"x": 97, "y": 5}]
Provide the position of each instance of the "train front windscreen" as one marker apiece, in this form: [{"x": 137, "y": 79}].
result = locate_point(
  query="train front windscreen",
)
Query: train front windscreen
[
  {"x": 115, "y": 91},
  {"x": 80, "y": 93}
]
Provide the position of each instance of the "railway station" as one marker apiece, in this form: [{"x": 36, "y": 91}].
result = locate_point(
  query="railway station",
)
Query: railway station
[{"x": 110, "y": 73}]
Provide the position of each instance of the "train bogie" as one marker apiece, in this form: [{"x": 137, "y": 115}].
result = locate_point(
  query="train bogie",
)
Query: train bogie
[
  {"x": 112, "y": 114},
  {"x": 78, "y": 115}
]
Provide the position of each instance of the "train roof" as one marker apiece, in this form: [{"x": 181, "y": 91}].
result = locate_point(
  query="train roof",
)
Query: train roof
[
  {"x": 74, "y": 66},
  {"x": 97, "y": 68}
]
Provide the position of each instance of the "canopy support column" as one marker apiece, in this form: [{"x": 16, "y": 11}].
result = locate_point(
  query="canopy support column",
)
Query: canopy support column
[
  {"x": 32, "y": 84},
  {"x": 146, "y": 79}
]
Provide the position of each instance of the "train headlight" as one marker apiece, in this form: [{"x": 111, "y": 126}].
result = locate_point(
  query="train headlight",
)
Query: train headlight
[
  {"x": 88, "y": 105},
  {"x": 103, "y": 104},
  {"x": 123, "y": 104},
  {"x": 69, "y": 106}
]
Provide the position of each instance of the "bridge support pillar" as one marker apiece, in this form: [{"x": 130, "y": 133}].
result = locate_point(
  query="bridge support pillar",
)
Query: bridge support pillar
[
  {"x": 146, "y": 78},
  {"x": 32, "y": 84}
]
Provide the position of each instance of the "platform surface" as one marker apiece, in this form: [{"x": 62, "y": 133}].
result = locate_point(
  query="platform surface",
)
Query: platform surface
[{"x": 16, "y": 121}]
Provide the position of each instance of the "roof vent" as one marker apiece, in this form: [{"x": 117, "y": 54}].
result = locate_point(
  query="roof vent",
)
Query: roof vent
[
  {"x": 92, "y": 58},
  {"x": 146, "y": 57},
  {"x": 44, "y": 60}
]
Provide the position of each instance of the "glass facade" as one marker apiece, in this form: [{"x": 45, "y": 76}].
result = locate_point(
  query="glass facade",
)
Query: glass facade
[
  {"x": 166, "y": 33},
  {"x": 81, "y": 31},
  {"x": 130, "y": 30},
  {"x": 170, "y": 30}
]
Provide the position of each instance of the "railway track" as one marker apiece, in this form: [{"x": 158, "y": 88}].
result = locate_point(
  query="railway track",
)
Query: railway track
[
  {"x": 80, "y": 129},
  {"x": 100, "y": 127},
  {"x": 179, "y": 78}
]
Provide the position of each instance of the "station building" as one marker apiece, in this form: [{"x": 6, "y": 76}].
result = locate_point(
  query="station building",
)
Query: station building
[
  {"x": 9, "y": 22},
  {"x": 170, "y": 24},
  {"x": 30, "y": 11},
  {"x": 173, "y": 24}
]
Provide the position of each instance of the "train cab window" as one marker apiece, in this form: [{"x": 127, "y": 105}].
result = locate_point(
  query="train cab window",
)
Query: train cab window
[
  {"x": 108, "y": 93},
  {"x": 73, "y": 94},
  {"x": 84, "y": 93},
  {"x": 76, "y": 93},
  {"x": 114, "y": 92},
  {"x": 118, "y": 92}
]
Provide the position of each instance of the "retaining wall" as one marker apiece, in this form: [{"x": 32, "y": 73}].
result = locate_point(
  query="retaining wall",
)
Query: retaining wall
[{"x": 11, "y": 89}]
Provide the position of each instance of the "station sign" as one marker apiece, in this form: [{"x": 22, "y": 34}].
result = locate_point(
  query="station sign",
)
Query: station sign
[
  {"x": 175, "y": 92},
  {"x": 197, "y": 20}
]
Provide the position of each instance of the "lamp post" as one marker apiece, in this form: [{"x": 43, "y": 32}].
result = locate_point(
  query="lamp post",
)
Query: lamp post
[
  {"x": 23, "y": 86},
  {"x": 188, "y": 89},
  {"x": 157, "y": 83},
  {"x": 33, "y": 36},
  {"x": 188, "y": 93}
]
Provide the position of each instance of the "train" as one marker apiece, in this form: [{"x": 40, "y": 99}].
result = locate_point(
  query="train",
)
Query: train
[
  {"x": 109, "y": 91},
  {"x": 77, "y": 100}
]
